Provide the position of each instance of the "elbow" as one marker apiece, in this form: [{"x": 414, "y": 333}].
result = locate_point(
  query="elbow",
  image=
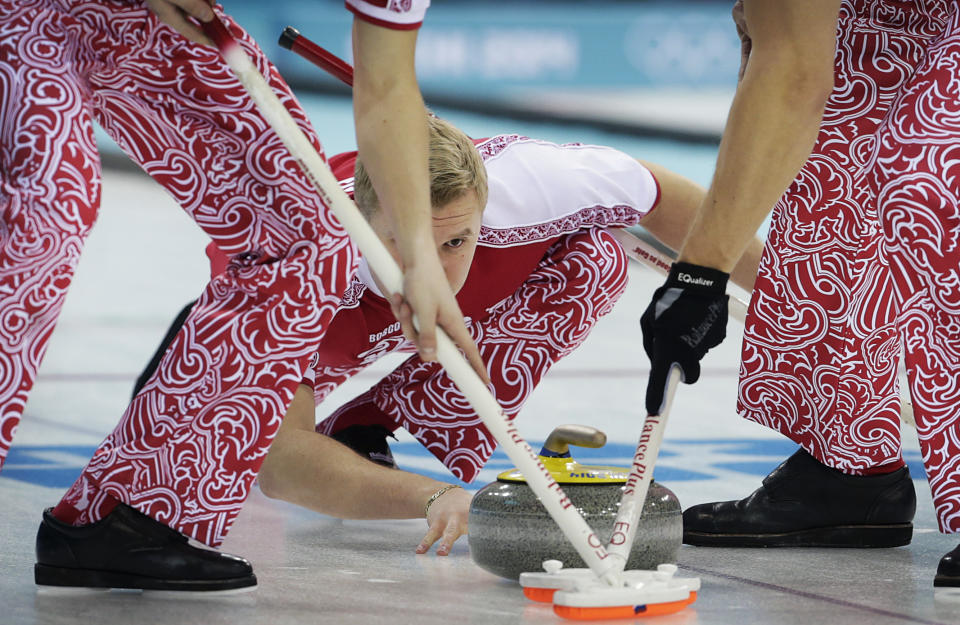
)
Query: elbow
[
  {"x": 271, "y": 480},
  {"x": 812, "y": 89},
  {"x": 269, "y": 486},
  {"x": 794, "y": 78},
  {"x": 806, "y": 86}
]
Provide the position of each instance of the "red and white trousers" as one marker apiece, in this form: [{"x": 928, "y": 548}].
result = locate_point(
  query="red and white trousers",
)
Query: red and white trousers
[
  {"x": 863, "y": 258},
  {"x": 191, "y": 443}
]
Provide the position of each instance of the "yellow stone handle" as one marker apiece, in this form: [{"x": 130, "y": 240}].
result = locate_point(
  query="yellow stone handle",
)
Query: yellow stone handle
[{"x": 563, "y": 436}]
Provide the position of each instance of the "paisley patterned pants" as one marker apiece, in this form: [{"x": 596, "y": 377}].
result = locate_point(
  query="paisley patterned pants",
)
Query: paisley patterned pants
[
  {"x": 863, "y": 258},
  {"x": 190, "y": 444}
]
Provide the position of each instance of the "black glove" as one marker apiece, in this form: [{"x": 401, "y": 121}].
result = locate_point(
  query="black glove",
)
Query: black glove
[{"x": 688, "y": 316}]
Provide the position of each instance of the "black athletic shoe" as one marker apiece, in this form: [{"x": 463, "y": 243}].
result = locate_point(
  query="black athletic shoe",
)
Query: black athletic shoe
[
  {"x": 370, "y": 441},
  {"x": 948, "y": 573},
  {"x": 804, "y": 503},
  {"x": 128, "y": 549}
]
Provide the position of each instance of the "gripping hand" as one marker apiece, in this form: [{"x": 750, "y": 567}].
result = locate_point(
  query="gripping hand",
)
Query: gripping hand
[{"x": 687, "y": 316}]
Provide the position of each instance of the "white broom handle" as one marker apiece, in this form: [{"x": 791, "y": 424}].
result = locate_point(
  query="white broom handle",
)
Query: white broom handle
[
  {"x": 565, "y": 514},
  {"x": 641, "y": 474}
]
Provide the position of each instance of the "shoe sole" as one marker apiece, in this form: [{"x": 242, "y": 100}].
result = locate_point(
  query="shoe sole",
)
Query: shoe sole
[
  {"x": 946, "y": 581},
  {"x": 45, "y": 575},
  {"x": 851, "y": 536}
]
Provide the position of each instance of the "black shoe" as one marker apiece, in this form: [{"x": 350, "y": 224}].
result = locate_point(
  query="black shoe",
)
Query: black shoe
[
  {"x": 370, "y": 441},
  {"x": 948, "y": 573},
  {"x": 804, "y": 503},
  {"x": 128, "y": 549}
]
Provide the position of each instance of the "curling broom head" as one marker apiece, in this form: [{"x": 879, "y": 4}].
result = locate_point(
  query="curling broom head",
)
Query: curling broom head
[{"x": 579, "y": 594}]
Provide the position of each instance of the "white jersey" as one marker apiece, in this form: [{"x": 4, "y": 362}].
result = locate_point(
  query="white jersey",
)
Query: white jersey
[{"x": 541, "y": 190}]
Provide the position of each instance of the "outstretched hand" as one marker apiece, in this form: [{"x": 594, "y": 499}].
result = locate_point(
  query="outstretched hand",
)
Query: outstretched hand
[
  {"x": 687, "y": 317},
  {"x": 447, "y": 521},
  {"x": 176, "y": 14}
]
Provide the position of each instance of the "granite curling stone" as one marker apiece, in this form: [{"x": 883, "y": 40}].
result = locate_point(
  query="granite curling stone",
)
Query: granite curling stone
[{"x": 510, "y": 532}]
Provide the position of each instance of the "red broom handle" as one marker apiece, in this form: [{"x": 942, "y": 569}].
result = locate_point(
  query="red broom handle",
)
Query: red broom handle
[{"x": 291, "y": 39}]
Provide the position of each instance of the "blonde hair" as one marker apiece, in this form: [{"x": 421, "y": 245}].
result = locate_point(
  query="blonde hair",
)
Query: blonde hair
[{"x": 455, "y": 169}]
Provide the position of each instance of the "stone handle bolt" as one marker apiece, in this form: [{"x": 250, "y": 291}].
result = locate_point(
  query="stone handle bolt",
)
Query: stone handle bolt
[{"x": 563, "y": 436}]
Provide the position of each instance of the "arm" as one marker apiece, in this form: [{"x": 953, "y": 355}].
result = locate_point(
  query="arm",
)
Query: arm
[
  {"x": 772, "y": 126},
  {"x": 317, "y": 472},
  {"x": 771, "y": 129},
  {"x": 670, "y": 222},
  {"x": 392, "y": 142}
]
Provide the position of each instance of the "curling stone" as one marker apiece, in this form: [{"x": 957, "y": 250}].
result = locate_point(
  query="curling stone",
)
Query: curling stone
[{"x": 510, "y": 531}]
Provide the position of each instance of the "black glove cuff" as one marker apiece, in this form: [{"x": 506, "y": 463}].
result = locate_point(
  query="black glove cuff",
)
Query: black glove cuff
[{"x": 697, "y": 278}]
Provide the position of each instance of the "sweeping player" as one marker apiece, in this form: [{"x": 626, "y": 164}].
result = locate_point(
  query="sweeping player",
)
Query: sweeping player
[
  {"x": 533, "y": 272},
  {"x": 861, "y": 263},
  {"x": 192, "y": 441}
]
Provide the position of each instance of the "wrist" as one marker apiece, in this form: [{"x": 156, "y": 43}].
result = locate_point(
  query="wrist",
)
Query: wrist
[
  {"x": 697, "y": 278},
  {"x": 437, "y": 495}
]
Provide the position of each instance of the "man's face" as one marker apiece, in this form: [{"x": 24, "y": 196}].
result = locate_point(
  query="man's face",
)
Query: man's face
[{"x": 456, "y": 226}]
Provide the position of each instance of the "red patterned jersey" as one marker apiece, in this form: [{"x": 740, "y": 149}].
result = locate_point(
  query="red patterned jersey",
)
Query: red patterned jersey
[{"x": 539, "y": 191}]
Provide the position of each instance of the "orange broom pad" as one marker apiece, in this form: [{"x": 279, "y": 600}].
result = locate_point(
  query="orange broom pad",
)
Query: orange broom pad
[
  {"x": 623, "y": 611},
  {"x": 541, "y": 595}
]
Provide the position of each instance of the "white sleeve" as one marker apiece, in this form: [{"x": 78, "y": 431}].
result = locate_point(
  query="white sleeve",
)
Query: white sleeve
[
  {"x": 540, "y": 189},
  {"x": 396, "y": 14}
]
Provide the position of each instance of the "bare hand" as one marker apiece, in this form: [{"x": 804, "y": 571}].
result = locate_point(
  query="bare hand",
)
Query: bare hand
[
  {"x": 745, "y": 43},
  {"x": 427, "y": 295},
  {"x": 176, "y": 14},
  {"x": 447, "y": 519}
]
